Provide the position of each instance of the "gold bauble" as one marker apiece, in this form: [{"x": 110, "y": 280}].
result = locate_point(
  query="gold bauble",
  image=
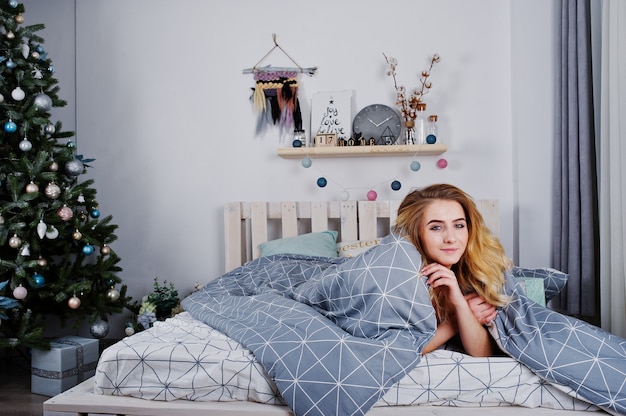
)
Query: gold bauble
[
  {"x": 105, "y": 250},
  {"x": 19, "y": 18},
  {"x": 42, "y": 262},
  {"x": 15, "y": 241},
  {"x": 77, "y": 235},
  {"x": 31, "y": 188},
  {"x": 113, "y": 295}
]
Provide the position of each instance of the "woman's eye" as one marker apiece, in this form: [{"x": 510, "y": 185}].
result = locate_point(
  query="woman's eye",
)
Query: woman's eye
[
  {"x": 460, "y": 225},
  {"x": 436, "y": 227}
]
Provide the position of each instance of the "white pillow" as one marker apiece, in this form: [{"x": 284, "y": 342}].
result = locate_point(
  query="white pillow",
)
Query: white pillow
[{"x": 353, "y": 248}]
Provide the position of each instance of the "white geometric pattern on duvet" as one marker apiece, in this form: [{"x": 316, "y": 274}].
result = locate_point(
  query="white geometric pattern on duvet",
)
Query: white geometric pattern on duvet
[{"x": 183, "y": 358}]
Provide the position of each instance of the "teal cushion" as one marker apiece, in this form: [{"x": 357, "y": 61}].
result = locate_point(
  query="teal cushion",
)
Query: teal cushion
[
  {"x": 321, "y": 244},
  {"x": 553, "y": 280}
]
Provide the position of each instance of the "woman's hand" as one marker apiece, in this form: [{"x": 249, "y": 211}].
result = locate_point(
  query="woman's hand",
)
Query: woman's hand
[
  {"x": 469, "y": 314},
  {"x": 483, "y": 311},
  {"x": 442, "y": 277}
]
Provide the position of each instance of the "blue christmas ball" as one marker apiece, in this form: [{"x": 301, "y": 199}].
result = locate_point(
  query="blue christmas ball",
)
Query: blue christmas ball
[
  {"x": 13, "y": 4},
  {"x": 307, "y": 162},
  {"x": 415, "y": 166},
  {"x": 10, "y": 127},
  {"x": 431, "y": 139},
  {"x": 39, "y": 280},
  {"x": 321, "y": 182},
  {"x": 396, "y": 185},
  {"x": 95, "y": 213},
  {"x": 88, "y": 249}
]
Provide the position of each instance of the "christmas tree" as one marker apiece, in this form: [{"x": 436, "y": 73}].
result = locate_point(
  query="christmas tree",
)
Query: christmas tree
[{"x": 55, "y": 253}]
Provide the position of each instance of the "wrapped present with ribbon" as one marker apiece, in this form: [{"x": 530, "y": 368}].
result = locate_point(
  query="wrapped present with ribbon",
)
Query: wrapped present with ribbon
[{"x": 69, "y": 361}]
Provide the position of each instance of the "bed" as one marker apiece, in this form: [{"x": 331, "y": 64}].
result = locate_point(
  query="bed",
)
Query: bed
[{"x": 184, "y": 366}]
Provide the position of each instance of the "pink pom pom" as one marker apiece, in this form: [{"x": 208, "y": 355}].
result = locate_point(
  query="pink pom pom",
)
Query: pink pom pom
[
  {"x": 442, "y": 163},
  {"x": 372, "y": 195}
]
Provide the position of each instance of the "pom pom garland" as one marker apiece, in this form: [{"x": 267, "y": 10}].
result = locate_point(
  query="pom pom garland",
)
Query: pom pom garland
[{"x": 371, "y": 195}]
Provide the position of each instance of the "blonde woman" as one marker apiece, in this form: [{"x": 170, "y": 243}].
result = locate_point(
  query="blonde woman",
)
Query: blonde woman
[{"x": 463, "y": 262}]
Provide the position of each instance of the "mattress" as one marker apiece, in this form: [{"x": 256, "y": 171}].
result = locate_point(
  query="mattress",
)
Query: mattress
[{"x": 183, "y": 358}]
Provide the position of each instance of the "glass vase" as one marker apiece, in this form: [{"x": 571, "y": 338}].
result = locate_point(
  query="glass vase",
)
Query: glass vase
[{"x": 409, "y": 132}]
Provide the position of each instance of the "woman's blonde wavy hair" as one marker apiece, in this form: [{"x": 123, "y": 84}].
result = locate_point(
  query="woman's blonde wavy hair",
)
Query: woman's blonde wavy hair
[{"x": 481, "y": 269}]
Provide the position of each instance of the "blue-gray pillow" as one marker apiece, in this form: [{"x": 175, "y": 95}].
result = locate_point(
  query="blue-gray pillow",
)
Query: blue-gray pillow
[{"x": 320, "y": 244}]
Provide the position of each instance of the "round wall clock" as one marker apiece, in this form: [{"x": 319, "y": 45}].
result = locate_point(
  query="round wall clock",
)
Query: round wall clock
[{"x": 379, "y": 122}]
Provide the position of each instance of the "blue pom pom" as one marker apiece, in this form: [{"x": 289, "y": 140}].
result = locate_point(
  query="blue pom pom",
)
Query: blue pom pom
[
  {"x": 321, "y": 182},
  {"x": 396, "y": 185},
  {"x": 296, "y": 143},
  {"x": 431, "y": 139},
  {"x": 415, "y": 166},
  {"x": 307, "y": 162}
]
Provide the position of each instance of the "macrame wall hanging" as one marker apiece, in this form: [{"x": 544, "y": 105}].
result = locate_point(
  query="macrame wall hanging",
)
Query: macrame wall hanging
[{"x": 275, "y": 94}]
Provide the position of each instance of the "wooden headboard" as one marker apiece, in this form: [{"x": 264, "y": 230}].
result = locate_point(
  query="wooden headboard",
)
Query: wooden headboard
[{"x": 248, "y": 224}]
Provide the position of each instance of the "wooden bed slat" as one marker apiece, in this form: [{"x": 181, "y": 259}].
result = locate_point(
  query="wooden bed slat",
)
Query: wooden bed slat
[
  {"x": 289, "y": 219},
  {"x": 358, "y": 220}
]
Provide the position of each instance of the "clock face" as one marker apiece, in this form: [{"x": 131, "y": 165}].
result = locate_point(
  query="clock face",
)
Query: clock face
[{"x": 379, "y": 122}]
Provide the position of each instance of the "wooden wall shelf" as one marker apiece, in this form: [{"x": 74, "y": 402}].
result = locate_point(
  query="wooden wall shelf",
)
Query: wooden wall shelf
[{"x": 362, "y": 151}]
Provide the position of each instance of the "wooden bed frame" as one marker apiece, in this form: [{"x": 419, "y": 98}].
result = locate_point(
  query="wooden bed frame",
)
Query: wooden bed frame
[{"x": 246, "y": 225}]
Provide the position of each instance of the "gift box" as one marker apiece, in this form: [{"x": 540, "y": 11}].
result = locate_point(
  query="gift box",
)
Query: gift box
[{"x": 69, "y": 361}]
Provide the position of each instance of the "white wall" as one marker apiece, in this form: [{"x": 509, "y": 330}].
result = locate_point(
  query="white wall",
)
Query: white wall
[{"x": 162, "y": 104}]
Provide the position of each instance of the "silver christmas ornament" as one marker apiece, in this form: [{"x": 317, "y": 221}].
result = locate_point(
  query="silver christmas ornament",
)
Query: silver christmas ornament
[
  {"x": 74, "y": 167},
  {"x": 99, "y": 329},
  {"x": 25, "y": 145},
  {"x": 41, "y": 229},
  {"x": 52, "y": 233},
  {"x": 54, "y": 166},
  {"x": 18, "y": 94},
  {"x": 49, "y": 129},
  {"x": 53, "y": 191},
  {"x": 42, "y": 102}
]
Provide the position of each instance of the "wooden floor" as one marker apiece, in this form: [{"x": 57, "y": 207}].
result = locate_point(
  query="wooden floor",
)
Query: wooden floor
[{"x": 15, "y": 396}]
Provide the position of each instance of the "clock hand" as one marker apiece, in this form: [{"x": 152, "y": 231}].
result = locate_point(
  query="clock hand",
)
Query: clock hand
[{"x": 382, "y": 122}]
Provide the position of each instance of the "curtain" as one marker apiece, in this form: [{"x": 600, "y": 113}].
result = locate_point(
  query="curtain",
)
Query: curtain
[
  {"x": 575, "y": 211},
  {"x": 612, "y": 176}
]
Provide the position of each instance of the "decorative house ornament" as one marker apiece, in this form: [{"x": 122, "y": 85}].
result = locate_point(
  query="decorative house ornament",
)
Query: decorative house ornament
[{"x": 275, "y": 95}]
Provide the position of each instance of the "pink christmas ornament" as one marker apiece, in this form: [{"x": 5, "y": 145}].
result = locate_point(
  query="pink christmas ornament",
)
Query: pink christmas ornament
[
  {"x": 20, "y": 292},
  {"x": 65, "y": 213}
]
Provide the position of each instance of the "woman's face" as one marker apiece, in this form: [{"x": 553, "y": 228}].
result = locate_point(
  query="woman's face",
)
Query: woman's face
[{"x": 443, "y": 232}]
